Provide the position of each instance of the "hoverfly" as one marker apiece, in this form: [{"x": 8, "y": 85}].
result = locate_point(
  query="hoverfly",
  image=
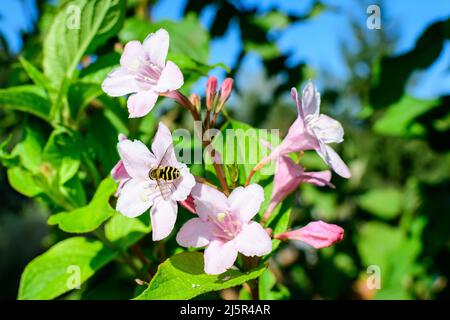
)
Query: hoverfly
[{"x": 165, "y": 175}]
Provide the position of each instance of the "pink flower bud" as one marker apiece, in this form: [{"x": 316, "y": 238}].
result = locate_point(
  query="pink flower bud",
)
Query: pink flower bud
[
  {"x": 317, "y": 234},
  {"x": 195, "y": 100},
  {"x": 225, "y": 92},
  {"x": 211, "y": 91},
  {"x": 225, "y": 89}
]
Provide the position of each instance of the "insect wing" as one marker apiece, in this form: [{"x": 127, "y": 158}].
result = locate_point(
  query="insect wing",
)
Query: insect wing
[
  {"x": 164, "y": 161},
  {"x": 166, "y": 188}
]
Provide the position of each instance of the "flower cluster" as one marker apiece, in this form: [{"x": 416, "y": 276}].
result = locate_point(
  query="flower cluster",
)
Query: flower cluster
[{"x": 223, "y": 223}]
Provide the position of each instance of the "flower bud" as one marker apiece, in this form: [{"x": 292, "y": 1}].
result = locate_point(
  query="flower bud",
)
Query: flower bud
[
  {"x": 211, "y": 91},
  {"x": 225, "y": 92},
  {"x": 317, "y": 234},
  {"x": 195, "y": 101}
]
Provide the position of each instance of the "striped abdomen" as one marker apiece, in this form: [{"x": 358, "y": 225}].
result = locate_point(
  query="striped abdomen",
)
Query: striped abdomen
[{"x": 166, "y": 173}]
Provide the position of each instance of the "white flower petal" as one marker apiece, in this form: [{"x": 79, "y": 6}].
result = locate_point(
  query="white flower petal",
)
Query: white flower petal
[
  {"x": 157, "y": 45},
  {"x": 334, "y": 161},
  {"x": 136, "y": 197},
  {"x": 310, "y": 101},
  {"x": 163, "y": 216},
  {"x": 141, "y": 103},
  {"x": 136, "y": 158},
  {"x": 328, "y": 130},
  {"x": 162, "y": 146},
  {"x": 208, "y": 201},
  {"x": 184, "y": 184},
  {"x": 219, "y": 256},
  {"x": 195, "y": 233},
  {"x": 119, "y": 83},
  {"x": 132, "y": 55},
  {"x": 253, "y": 240},
  {"x": 246, "y": 202},
  {"x": 171, "y": 78}
]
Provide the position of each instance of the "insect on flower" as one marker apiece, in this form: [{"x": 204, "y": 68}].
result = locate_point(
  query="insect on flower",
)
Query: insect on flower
[
  {"x": 165, "y": 176},
  {"x": 157, "y": 181}
]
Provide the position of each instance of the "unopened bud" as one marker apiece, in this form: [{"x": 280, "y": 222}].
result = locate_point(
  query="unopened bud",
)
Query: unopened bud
[
  {"x": 225, "y": 92},
  {"x": 211, "y": 91},
  {"x": 195, "y": 101}
]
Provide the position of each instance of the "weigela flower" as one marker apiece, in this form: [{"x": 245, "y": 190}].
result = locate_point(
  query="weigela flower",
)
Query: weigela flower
[
  {"x": 311, "y": 131},
  {"x": 140, "y": 192},
  {"x": 288, "y": 176},
  {"x": 322, "y": 128},
  {"x": 318, "y": 234},
  {"x": 224, "y": 225},
  {"x": 144, "y": 73}
]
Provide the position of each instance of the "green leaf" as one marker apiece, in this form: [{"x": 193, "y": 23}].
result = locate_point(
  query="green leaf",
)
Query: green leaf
[
  {"x": 7, "y": 159},
  {"x": 393, "y": 252},
  {"x": 80, "y": 94},
  {"x": 398, "y": 120},
  {"x": 29, "y": 150},
  {"x": 78, "y": 29},
  {"x": 35, "y": 74},
  {"x": 385, "y": 203},
  {"x": 182, "y": 277},
  {"x": 62, "y": 151},
  {"x": 269, "y": 289},
  {"x": 26, "y": 98},
  {"x": 124, "y": 231},
  {"x": 90, "y": 217},
  {"x": 241, "y": 144},
  {"x": 266, "y": 50},
  {"x": 50, "y": 274},
  {"x": 101, "y": 140},
  {"x": 272, "y": 20},
  {"x": 97, "y": 71},
  {"x": 187, "y": 37},
  {"x": 279, "y": 220},
  {"x": 24, "y": 182},
  {"x": 88, "y": 88},
  {"x": 189, "y": 42}
]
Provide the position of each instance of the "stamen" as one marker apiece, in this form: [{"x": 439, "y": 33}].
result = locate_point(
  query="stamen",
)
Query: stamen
[{"x": 221, "y": 216}]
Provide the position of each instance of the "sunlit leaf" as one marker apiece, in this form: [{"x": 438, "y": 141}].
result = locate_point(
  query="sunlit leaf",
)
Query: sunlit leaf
[
  {"x": 398, "y": 120},
  {"x": 26, "y": 98},
  {"x": 90, "y": 217},
  {"x": 78, "y": 29},
  {"x": 57, "y": 270},
  {"x": 182, "y": 277},
  {"x": 385, "y": 203},
  {"x": 124, "y": 231}
]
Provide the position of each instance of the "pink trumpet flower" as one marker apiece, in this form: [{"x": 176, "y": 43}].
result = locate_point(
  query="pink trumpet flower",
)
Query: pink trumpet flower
[
  {"x": 311, "y": 131},
  {"x": 318, "y": 234},
  {"x": 322, "y": 128},
  {"x": 224, "y": 225},
  {"x": 144, "y": 74},
  {"x": 288, "y": 176},
  {"x": 140, "y": 192}
]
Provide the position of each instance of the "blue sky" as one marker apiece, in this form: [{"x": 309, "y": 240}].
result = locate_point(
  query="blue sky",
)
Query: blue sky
[{"x": 315, "y": 41}]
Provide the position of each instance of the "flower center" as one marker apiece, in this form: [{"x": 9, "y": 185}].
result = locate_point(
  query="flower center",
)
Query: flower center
[
  {"x": 227, "y": 226},
  {"x": 146, "y": 72}
]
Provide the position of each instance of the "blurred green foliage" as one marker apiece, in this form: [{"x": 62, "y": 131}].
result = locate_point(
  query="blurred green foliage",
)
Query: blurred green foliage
[{"x": 59, "y": 131}]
